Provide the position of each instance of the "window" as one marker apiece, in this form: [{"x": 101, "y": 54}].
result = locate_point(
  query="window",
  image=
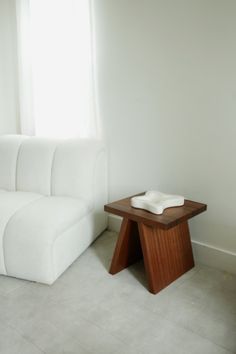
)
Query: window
[{"x": 59, "y": 46}]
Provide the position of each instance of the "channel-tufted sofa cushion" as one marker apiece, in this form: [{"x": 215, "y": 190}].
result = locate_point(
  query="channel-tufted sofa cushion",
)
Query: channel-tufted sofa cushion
[{"x": 52, "y": 194}]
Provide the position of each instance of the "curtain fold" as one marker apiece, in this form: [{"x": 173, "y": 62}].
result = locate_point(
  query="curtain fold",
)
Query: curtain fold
[{"x": 25, "y": 93}]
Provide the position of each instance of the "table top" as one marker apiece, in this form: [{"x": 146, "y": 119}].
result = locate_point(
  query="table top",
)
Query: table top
[{"x": 170, "y": 217}]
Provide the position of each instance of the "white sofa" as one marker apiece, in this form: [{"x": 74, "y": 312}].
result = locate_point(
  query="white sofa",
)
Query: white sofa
[{"x": 51, "y": 204}]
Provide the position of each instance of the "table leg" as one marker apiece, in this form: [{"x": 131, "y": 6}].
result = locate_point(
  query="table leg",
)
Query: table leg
[
  {"x": 167, "y": 254},
  {"x": 128, "y": 248}
]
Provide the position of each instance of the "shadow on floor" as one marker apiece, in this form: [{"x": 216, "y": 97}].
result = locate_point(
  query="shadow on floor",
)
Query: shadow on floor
[{"x": 104, "y": 247}]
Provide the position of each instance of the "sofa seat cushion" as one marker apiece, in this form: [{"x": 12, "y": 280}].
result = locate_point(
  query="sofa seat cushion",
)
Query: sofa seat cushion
[
  {"x": 10, "y": 203},
  {"x": 32, "y": 231}
]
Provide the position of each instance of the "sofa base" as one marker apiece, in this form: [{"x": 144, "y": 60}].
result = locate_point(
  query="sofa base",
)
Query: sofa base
[{"x": 67, "y": 247}]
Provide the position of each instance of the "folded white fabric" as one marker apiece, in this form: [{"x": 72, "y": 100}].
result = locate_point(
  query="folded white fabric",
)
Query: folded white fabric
[{"x": 156, "y": 202}]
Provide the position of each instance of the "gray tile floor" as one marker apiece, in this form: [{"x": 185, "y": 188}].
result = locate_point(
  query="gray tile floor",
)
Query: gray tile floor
[{"x": 89, "y": 311}]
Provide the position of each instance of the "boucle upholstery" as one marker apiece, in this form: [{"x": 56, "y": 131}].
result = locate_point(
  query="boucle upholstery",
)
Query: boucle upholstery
[{"x": 52, "y": 194}]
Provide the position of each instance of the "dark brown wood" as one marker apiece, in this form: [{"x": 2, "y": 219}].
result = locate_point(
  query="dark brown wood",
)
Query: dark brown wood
[
  {"x": 128, "y": 248},
  {"x": 167, "y": 254},
  {"x": 162, "y": 240},
  {"x": 171, "y": 216}
]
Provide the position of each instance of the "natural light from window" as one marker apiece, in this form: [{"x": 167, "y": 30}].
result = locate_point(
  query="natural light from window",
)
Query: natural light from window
[{"x": 62, "y": 80}]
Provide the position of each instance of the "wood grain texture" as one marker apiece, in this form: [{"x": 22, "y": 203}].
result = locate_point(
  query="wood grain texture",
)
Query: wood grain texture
[
  {"x": 170, "y": 217},
  {"x": 163, "y": 241},
  {"x": 167, "y": 254},
  {"x": 128, "y": 247}
]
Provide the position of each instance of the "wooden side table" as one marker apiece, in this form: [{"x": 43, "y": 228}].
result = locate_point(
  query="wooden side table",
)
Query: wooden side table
[{"x": 162, "y": 240}]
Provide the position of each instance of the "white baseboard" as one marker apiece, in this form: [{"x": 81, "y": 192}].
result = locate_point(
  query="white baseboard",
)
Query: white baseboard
[
  {"x": 214, "y": 257},
  {"x": 203, "y": 252},
  {"x": 114, "y": 223}
]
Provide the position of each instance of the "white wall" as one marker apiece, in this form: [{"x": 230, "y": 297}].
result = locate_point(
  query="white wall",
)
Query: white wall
[
  {"x": 8, "y": 80},
  {"x": 167, "y": 91},
  {"x": 167, "y": 94}
]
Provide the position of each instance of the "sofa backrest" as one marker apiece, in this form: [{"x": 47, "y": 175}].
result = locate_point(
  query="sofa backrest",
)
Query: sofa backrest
[
  {"x": 51, "y": 167},
  {"x": 34, "y": 165},
  {"x": 9, "y": 150}
]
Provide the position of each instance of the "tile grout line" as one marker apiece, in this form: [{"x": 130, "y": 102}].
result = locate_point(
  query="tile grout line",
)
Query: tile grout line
[{"x": 25, "y": 338}]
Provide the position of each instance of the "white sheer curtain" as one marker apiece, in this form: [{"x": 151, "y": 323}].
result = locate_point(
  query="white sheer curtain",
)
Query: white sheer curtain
[
  {"x": 56, "y": 83},
  {"x": 24, "y": 68}
]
